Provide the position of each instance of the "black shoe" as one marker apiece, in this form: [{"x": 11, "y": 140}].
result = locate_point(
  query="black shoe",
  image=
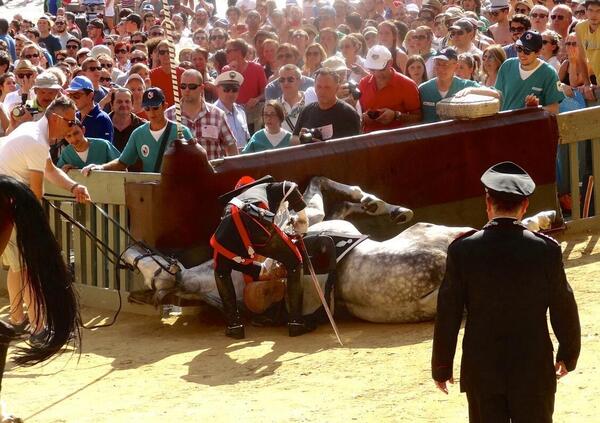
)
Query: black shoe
[
  {"x": 22, "y": 328},
  {"x": 235, "y": 331},
  {"x": 299, "y": 327},
  {"x": 38, "y": 340}
]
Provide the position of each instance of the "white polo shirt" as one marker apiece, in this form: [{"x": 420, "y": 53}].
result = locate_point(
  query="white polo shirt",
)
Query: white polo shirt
[{"x": 24, "y": 150}]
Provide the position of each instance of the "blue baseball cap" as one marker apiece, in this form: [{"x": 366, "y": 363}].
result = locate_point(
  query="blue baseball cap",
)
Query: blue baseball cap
[
  {"x": 80, "y": 83},
  {"x": 153, "y": 97}
]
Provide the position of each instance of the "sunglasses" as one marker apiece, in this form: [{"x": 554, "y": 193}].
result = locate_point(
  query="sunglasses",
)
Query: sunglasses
[
  {"x": 230, "y": 88},
  {"x": 522, "y": 11},
  {"x": 163, "y": 52},
  {"x": 121, "y": 51},
  {"x": 70, "y": 123},
  {"x": 137, "y": 59},
  {"x": 72, "y": 47},
  {"x": 217, "y": 37},
  {"x": 539, "y": 15},
  {"x": 148, "y": 108},
  {"x": 24, "y": 75},
  {"x": 60, "y": 23},
  {"x": 497, "y": 12},
  {"x": 106, "y": 65},
  {"x": 557, "y": 17},
  {"x": 553, "y": 42},
  {"x": 29, "y": 56},
  {"x": 93, "y": 68},
  {"x": 523, "y": 50},
  {"x": 185, "y": 86},
  {"x": 571, "y": 43},
  {"x": 517, "y": 29},
  {"x": 455, "y": 33},
  {"x": 105, "y": 79},
  {"x": 289, "y": 79}
]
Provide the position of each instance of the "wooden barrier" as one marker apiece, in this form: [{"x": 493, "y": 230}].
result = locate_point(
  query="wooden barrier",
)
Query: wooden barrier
[{"x": 97, "y": 278}]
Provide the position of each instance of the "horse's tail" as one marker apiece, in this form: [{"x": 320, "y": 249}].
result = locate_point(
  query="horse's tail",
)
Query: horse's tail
[{"x": 47, "y": 275}]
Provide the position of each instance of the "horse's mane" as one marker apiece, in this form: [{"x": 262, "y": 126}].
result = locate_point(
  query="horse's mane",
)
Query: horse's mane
[{"x": 47, "y": 275}]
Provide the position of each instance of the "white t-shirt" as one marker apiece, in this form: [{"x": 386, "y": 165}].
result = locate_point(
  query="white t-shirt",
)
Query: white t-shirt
[
  {"x": 24, "y": 150},
  {"x": 275, "y": 139},
  {"x": 157, "y": 134}
]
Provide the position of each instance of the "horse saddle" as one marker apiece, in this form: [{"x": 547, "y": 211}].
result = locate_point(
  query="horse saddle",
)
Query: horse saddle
[{"x": 326, "y": 249}]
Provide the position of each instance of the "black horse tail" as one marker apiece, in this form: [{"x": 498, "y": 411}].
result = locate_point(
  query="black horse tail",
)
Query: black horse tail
[{"x": 47, "y": 276}]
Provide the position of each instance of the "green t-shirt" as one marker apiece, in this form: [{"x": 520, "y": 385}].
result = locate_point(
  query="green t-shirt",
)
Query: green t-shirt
[
  {"x": 99, "y": 152},
  {"x": 430, "y": 96},
  {"x": 142, "y": 145},
  {"x": 260, "y": 142},
  {"x": 543, "y": 83}
]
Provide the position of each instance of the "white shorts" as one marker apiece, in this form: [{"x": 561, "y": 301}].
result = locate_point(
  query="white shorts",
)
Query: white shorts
[
  {"x": 109, "y": 11},
  {"x": 11, "y": 257}
]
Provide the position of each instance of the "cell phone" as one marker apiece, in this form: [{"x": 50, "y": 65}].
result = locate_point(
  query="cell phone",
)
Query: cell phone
[{"x": 374, "y": 114}]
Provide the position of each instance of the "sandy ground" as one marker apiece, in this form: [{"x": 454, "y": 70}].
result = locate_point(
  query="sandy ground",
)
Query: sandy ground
[{"x": 146, "y": 370}]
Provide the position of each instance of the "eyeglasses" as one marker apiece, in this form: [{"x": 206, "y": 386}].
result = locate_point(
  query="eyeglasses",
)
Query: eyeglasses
[
  {"x": 217, "y": 37},
  {"x": 121, "y": 51},
  {"x": 517, "y": 29},
  {"x": 230, "y": 88},
  {"x": 538, "y": 15},
  {"x": 557, "y": 17},
  {"x": 93, "y": 68},
  {"x": 455, "y": 33},
  {"x": 163, "y": 52},
  {"x": 523, "y": 50},
  {"x": 523, "y": 11},
  {"x": 106, "y": 65},
  {"x": 571, "y": 43},
  {"x": 148, "y": 108},
  {"x": 30, "y": 56},
  {"x": 289, "y": 79},
  {"x": 553, "y": 42},
  {"x": 105, "y": 79},
  {"x": 137, "y": 59},
  {"x": 72, "y": 47},
  {"x": 70, "y": 123},
  {"x": 185, "y": 86},
  {"x": 24, "y": 75}
]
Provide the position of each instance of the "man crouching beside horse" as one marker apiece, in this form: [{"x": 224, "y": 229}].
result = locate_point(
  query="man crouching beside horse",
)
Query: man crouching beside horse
[{"x": 248, "y": 228}]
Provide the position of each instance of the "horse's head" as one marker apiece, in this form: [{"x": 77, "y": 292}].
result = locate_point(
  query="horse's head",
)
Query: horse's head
[{"x": 160, "y": 274}]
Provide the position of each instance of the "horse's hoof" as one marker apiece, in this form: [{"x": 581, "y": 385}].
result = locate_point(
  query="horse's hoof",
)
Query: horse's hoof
[
  {"x": 235, "y": 331},
  {"x": 11, "y": 419},
  {"x": 297, "y": 328}
]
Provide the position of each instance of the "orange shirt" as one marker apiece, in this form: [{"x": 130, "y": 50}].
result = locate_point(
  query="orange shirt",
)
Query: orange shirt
[
  {"x": 162, "y": 80},
  {"x": 401, "y": 94}
]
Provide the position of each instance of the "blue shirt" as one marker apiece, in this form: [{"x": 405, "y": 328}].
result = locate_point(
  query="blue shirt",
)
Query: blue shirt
[
  {"x": 97, "y": 124},
  {"x": 236, "y": 120},
  {"x": 430, "y": 96},
  {"x": 510, "y": 50}
]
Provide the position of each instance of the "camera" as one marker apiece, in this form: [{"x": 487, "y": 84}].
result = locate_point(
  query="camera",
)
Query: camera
[
  {"x": 21, "y": 109},
  {"x": 374, "y": 114},
  {"x": 310, "y": 135},
  {"x": 353, "y": 89}
]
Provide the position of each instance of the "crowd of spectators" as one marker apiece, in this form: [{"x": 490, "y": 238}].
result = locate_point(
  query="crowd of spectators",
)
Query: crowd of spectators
[{"x": 261, "y": 74}]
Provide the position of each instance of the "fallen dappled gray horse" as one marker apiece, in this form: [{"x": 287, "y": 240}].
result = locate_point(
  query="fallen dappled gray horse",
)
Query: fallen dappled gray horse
[{"x": 390, "y": 281}]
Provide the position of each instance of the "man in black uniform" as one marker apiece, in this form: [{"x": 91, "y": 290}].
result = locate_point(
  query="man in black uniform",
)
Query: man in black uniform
[
  {"x": 247, "y": 229},
  {"x": 507, "y": 278}
]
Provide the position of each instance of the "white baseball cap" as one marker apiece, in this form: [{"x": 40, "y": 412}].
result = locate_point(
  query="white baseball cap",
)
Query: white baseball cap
[{"x": 377, "y": 57}]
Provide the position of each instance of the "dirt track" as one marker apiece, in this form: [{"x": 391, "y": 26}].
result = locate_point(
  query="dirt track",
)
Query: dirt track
[{"x": 184, "y": 369}]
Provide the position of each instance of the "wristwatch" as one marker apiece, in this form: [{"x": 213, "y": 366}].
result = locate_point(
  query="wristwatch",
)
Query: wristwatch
[{"x": 397, "y": 115}]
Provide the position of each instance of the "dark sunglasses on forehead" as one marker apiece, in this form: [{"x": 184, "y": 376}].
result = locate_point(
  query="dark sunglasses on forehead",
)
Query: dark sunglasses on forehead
[
  {"x": 230, "y": 88},
  {"x": 185, "y": 86}
]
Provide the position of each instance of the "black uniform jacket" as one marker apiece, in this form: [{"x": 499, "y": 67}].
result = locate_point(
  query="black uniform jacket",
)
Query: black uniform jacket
[{"x": 507, "y": 278}]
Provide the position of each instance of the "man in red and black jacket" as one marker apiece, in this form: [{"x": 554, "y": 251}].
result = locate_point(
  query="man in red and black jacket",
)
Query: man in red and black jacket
[{"x": 248, "y": 229}]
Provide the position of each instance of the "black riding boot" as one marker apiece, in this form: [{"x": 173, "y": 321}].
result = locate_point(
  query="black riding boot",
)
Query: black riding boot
[
  {"x": 235, "y": 327},
  {"x": 297, "y": 325}
]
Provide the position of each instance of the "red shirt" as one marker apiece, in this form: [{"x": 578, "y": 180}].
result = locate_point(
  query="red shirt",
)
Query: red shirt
[
  {"x": 254, "y": 84},
  {"x": 162, "y": 80},
  {"x": 400, "y": 94}
]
